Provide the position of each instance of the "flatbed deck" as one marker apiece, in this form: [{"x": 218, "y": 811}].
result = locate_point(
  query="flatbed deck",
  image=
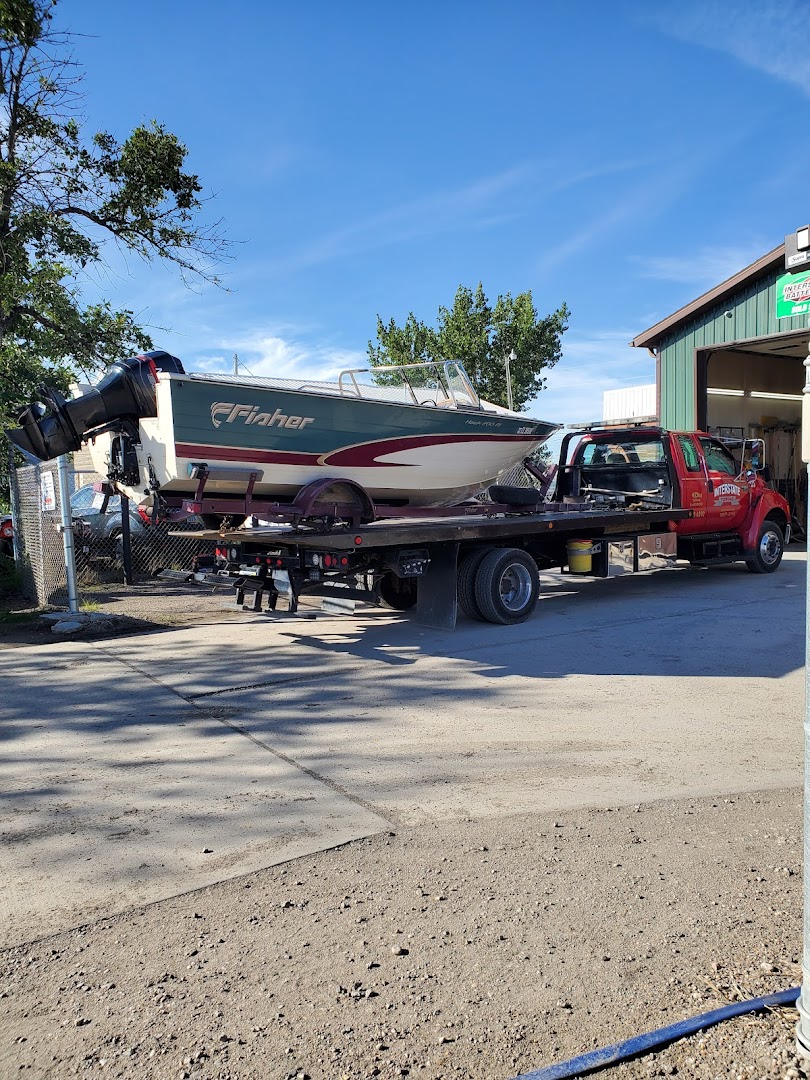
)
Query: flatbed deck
[{"x": 393, "y": 532}]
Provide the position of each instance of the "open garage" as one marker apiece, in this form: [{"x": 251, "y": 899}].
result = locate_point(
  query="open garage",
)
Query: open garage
[{"x": 732, "y": 362}]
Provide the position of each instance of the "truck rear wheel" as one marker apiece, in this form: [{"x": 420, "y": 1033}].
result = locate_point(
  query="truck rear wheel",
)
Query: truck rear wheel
[
  {"x": 467, "y": 572},
  {"x": 769, "y": 550},
  {"x": 507, "y": 586}
]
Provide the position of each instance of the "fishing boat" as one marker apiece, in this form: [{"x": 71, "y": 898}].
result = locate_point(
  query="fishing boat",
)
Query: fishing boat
[{"x": 415, "y": 435}]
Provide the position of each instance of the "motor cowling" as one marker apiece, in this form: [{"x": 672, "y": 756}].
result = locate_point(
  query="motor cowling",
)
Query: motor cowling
[{"x": 54, "y": 426}]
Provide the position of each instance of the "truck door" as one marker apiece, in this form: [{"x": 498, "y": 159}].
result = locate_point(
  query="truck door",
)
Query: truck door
[{"x": 710, "y": 486}]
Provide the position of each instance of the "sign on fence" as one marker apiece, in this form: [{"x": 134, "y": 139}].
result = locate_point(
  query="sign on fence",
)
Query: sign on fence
[{"x": 47, "y": 492}]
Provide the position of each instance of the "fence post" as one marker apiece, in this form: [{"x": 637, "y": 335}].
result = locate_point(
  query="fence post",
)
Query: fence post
[
  {"x": 67, "y": 534},
  {"x": 16, "y": 520},
  {"x": 126, "y": 539}
]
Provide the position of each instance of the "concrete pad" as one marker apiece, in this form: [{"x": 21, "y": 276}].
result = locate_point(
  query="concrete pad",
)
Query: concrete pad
[
  {"x": 257, "y": 651},
  {"x": 116, "y": 792},
  {"x": 617, "y": 692}
]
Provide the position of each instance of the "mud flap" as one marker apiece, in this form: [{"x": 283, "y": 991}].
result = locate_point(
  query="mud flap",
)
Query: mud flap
[{"x": 436, "y": 603}]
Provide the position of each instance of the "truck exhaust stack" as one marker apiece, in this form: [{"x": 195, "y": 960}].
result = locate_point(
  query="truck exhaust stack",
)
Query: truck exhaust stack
[{"x": 54, "y": 426}]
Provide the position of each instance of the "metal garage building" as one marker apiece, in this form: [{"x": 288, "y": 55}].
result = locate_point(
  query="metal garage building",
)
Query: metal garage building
[{"x": 730, "y": 363}]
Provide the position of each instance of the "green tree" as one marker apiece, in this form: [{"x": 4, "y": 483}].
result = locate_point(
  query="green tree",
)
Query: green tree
[
  {"x": 63, "y": 199},
  {"x": 481, "y": 336}
]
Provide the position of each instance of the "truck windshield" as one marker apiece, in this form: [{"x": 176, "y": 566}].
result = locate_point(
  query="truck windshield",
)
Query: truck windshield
[{"x": 624, "y": 451}]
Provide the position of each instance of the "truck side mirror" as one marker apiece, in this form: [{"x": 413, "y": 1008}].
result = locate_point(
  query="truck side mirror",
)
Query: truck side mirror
[{"x": 753, "y": 458}]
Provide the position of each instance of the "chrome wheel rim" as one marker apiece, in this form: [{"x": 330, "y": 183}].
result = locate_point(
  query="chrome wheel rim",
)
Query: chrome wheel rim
[
  {"x": 515, "y": 587},
  {"x": 769, "y": 548}
]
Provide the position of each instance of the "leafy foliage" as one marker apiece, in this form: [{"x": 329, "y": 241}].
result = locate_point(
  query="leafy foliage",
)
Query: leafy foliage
[
  {"x": 481, "y": 336},
  {"x": 63, "y": 199}
]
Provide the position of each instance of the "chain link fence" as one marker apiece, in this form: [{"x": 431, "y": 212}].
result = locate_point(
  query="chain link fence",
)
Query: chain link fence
[{"x": 97, "y": 536}]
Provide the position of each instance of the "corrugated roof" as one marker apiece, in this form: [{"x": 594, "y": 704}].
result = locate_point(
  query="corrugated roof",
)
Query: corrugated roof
[{"x": 661, "y": 329}]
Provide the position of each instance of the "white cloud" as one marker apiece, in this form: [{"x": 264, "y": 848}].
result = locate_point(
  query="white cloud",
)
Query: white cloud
[
  {"x": 766, "y": 36},
  {"x": 426, "y": 216},
  {"x": 644, "y": 200},
  {"x": 267, "y": 352},
  {"x": 597, "y": 229},
  {"x": 704, "y": 269},
  {"x": 481, "y": 204},
  {"x": 590, "y": 364}
]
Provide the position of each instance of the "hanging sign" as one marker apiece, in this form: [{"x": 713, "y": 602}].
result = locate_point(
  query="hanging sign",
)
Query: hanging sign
[
  {"x": 47, "y": 493},
  {"x": 793, "y": 295}
]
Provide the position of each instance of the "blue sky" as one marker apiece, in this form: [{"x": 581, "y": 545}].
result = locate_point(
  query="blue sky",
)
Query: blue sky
[{"x": 368, "y": 158}]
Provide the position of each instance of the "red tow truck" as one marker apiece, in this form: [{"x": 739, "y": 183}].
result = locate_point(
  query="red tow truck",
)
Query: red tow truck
[{"x": 631, "y": 499}]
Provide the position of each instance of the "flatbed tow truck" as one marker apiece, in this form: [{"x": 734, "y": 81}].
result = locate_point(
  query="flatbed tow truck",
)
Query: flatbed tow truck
[{"x": 618, "y": 502}]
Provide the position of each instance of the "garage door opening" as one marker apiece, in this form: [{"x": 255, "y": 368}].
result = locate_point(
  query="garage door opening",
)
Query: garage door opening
[{"x": 754, "y": 390}]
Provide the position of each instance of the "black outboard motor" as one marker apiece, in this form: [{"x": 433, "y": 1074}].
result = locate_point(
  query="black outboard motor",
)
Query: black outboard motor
[{"x": 127, "y": 392}]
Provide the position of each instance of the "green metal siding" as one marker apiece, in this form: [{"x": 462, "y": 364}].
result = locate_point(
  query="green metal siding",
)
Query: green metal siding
[{"x": 753, "y": 315}]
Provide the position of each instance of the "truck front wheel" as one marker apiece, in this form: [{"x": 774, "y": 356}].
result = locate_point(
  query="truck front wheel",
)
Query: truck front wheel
[
  {"x": 769, "y": 550},
  {"x": 507, "y": 586}
]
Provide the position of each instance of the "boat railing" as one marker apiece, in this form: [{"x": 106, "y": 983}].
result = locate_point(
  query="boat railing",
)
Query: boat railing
[
  {"x": 316, "y": 387},
  {"x": 453, "y": 382},
  {"x": 351, "y": 372}
]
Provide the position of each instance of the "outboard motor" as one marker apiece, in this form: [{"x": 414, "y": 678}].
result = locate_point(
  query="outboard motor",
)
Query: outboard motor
[{"x": 127, "y": 392}]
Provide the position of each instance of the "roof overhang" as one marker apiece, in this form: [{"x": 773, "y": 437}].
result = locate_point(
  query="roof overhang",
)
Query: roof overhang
[{"x": 757, "y": 269}]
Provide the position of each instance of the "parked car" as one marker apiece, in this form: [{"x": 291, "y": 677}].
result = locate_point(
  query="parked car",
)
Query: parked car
[
  {"x": 99, "y": 526},
  {"x": 6, "y": 536}
]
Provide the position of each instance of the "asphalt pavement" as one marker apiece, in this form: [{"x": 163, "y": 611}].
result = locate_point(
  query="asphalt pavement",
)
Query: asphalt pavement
[{"x": 137, "y": 768}]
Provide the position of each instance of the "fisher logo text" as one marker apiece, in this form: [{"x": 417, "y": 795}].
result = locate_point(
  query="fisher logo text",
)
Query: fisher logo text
[{"x": 226, "y": 412}]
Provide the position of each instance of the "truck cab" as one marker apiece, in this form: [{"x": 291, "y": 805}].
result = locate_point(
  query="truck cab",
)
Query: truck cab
[{"x": 734, "y": 513}]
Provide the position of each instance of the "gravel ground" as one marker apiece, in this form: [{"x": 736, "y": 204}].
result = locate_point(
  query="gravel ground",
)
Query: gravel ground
[
  {"x": 119, "y": 609},
  {"x": 476, "y": 949}
]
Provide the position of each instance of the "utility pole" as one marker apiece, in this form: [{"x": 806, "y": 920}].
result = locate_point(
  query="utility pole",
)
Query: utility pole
[
  {"x": 235, "y": 364},
  {"x": 512, "y": 356}
]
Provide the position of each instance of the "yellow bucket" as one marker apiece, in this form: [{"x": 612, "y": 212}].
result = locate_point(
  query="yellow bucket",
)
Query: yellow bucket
[{"x": 580, "y": 556}]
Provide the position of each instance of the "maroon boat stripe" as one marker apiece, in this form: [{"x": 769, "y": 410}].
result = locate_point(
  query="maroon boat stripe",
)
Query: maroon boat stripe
[
  {"x": 364, "y": 455},
  {"x": 235, "y": 453}
]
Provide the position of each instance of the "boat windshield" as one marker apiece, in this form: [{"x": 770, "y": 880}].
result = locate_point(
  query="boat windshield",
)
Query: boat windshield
[
  {"x": 460, "y": 386},
  {"x": 445, "y": 385}
]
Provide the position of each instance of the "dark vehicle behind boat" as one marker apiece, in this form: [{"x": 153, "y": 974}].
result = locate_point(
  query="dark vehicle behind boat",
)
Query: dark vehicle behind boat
[{"x": 97, "y": 517}]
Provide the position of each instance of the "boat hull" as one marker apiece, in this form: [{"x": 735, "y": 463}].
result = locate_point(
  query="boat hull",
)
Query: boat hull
[{"x": 419, "y": 455}]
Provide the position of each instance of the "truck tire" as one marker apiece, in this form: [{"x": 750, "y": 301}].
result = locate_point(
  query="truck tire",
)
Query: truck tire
[
  {"x": 467, "y": 571},
  {"x": 507, "y": 586},
  {"x": 398, "y": 593},
  {"x": 769, "y": 550}
]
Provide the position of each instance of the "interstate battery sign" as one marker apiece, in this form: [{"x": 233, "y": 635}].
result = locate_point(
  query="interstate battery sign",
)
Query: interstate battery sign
[{"x": 793, "y": 295}]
